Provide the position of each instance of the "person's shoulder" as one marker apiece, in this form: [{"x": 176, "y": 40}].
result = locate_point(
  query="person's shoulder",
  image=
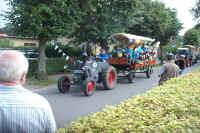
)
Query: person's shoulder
[{"x": 35, "y": 100}]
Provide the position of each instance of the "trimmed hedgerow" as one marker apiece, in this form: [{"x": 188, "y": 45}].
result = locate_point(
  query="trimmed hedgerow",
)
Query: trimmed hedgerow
[
  {"x": 173, "y": 107},
  {"x": 53, "y": 66}
]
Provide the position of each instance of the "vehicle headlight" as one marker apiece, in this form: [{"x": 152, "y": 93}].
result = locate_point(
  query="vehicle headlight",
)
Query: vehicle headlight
[{"x": 94, "y": 64}]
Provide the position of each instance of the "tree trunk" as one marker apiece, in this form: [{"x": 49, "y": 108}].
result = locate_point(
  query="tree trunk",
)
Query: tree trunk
[
  {"x": 161, "y": 54},
  {"x": 42, "y": 74}
]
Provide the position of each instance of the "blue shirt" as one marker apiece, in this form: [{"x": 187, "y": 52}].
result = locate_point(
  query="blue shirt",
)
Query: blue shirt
[
  {"x": 22, "y": 111},
  {"x": 129, "y": 51},
  {"x": 104, "y": 56}
]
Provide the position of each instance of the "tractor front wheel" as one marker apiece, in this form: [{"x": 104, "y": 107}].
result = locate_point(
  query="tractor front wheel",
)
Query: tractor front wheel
[
  {"x": 63, "y": 84},
  {"x": 89, "y": 87}
]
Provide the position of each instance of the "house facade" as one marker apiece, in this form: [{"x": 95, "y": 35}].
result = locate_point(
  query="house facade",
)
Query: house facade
[{"x": 21, "y": 41}]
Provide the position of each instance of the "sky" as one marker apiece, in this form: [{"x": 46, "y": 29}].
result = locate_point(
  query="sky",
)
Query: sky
[
  {"x": 3, "y": 7},
  {"x": 183, "y": 7}
]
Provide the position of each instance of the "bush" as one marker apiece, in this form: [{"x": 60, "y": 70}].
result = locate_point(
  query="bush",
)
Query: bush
[
  {"x": 173, "y": 107},
  {"x": 33, "y": 67},
  {"x": 53, "y": 66}
]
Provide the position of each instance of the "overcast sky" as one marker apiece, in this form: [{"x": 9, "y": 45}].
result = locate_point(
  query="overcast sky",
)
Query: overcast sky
[
  {"x": 2, "y": 8},
  {"x": 183, "y": 7}
]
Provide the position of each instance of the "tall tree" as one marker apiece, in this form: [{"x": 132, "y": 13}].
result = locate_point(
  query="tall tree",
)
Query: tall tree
[
  {"x": 44, "y": 20},
  {"x": 157, "y": 22},
  {"x": 196, "y": 10},
  {"x": 192, "y": 37},
  {"x": 8, "y": 29},
  {"x": 99, "y": 19}
]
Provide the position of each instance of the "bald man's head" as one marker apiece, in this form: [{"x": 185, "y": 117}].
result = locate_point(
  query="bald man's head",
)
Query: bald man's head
[{"x": 13, "y": 65}]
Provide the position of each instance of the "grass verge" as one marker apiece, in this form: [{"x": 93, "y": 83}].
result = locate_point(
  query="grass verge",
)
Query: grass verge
[
  {"x": 33, "y": 83},
  {"x": 42, "y": 83}
]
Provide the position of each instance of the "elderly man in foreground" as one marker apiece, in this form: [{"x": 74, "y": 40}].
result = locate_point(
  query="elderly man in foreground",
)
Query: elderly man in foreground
[{"x": 21, "y": 111}]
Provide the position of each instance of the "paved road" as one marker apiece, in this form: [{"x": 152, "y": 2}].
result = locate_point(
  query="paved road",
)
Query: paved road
[{"x": 68, "y": 107}]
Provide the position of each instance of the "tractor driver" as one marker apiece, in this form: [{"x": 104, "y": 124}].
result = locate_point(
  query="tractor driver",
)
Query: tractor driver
[{"x": 103, "y": 55}]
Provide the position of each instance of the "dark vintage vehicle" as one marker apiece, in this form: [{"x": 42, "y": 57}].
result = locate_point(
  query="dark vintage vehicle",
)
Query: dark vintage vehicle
[
  {"x": 142, "y": 64},
  {"x": 182, "y": 57},
  {"x": 192, "y": 54},
  {"x": 87, "y": 73},
  {"x": 186, "y": 54}
]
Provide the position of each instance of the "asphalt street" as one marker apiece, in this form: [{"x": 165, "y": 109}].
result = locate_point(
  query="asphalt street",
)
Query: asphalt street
[{"x": 73, "y": 105}]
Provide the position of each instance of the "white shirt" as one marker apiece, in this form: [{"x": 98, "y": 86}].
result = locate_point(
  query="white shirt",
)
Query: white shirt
[{"x": 22, "y": 111}]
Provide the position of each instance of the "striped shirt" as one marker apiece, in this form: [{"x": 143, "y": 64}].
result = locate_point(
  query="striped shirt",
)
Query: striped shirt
[{"x": 22, "y": 111}]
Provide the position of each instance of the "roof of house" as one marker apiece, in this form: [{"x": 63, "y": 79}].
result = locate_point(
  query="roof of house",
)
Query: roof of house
[
  {"x": 3, "y": 35},
  {"x": 16, "y": 37}
]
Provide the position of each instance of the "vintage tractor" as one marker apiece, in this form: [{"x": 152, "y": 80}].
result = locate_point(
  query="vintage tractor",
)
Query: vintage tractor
[{"x": 87, "y": 73}]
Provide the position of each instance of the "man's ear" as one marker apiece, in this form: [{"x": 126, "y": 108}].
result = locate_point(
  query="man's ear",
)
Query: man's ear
[{"x": 23, "y": 78}]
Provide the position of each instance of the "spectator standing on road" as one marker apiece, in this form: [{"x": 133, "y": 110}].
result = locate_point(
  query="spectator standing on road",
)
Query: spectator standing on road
[
  {"x": 168, "y": 70},
  {"x": 21, "y": 111}
]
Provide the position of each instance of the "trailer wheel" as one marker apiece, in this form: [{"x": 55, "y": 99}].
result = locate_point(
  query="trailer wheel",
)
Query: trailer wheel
[
  {"x": 63, "y": 84},
  {"x": 131, "y": 76},
  {"x": 148, "y": 73},
  {"x": 89, "y": 87},
  {"x": 109, "y": 76},
  {"x": 151, "y": 70}
]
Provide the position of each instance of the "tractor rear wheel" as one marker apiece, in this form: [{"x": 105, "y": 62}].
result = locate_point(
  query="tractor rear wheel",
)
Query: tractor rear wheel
[
  {"x": 63, "y": 84},
  {"x": 89, "y": 87},
  {"x": 109, "y": 78}
]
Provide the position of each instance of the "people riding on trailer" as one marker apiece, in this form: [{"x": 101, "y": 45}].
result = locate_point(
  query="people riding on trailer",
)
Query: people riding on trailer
[
  {"x": 138, "y": 53},
  {"x": 138, "y": 49},
  {"x": 129, "y": 54}
]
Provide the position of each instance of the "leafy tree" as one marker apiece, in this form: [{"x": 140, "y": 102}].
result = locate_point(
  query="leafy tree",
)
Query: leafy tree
[
  {"x": 44, "y": 20},
  {"x": 158, "y": 22},
  {"x": 191, "y": 37},
  {"x": 99, "y": 19},
  {"x": 196, "y": 10},
  {"x": 8, "y": 29}
]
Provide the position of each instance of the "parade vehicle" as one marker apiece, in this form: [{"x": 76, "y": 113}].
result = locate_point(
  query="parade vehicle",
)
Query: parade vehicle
[
  {"x": 87, "y": 73},
  {"x": 182, "y": 57},
  {"x": 192, "y": 54},
  {"x": 186, "y": 54},
  {"x": 140, "y": 60}
]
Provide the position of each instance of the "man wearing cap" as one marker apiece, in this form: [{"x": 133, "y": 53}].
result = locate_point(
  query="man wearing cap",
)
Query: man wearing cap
[{"x": 168, "y": 70}]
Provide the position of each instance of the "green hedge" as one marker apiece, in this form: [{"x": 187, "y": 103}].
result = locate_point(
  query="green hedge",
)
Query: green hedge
[
  {"x": 6, "y": 43},
  {"x": 53, "y": 66},
  {"x": 171, "y": 108},
  {"x": 25, "y": 48}
]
